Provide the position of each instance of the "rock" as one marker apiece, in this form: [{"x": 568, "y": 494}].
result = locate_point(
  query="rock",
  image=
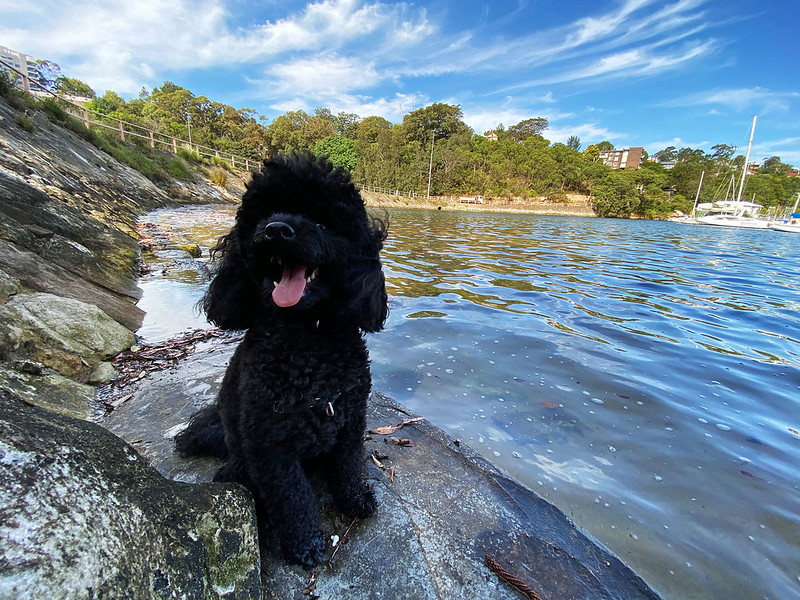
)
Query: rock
[
  {"x": 8, "y": 285},
  {"x": 38, "y": 274},
  {"x": 104, "y": 372},
  {"x": 67, "y": 335},
  {"x": 29, "y": 382},
  {"x": 83, "y": 516},
  {"x": 441, "y": 509}
]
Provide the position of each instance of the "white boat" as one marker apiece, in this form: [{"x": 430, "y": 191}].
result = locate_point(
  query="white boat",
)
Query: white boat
[
  {"x": 736, "y": 213},
  {"x": 791, "y": 224}
]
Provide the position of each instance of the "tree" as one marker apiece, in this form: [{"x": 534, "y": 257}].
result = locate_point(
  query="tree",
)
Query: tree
[
  {"x": 438, "y": 119},
  {"x": 574, "y": 142},
  {"x": 45, "y": 73},
  {"x": 592, "y": 153},
  {"x": 616, "y": 196},
  {"x": 297, "y": 130},
  {"x": 339, "y": 150},
  {"x": 73, "y": 87},
  {"x": 605, "y": 146},
  {"x": 368, "y": 129},
  {"x": 774, "y": 165},
  {"x": 723, "y": 151},
  {"x": 527, "y": 128}
]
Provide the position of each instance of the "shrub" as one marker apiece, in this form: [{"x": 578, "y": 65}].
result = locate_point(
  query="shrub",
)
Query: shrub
[
  {"x": 189, "y": 155},
  {"x": 25, "y": 123},
  {"x": 218, "y": 176},
  {"x": 179, "y": 168}
]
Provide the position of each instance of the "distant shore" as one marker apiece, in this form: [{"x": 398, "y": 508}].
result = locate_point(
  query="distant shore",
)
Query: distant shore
[{"x": 576, "y": 206}]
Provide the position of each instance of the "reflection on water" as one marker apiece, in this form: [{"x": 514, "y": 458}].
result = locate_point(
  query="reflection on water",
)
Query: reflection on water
[{"x": 641, "y": 376}]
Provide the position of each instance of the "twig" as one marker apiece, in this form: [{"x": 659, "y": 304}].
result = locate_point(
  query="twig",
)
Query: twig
[
  {"x": 342, "y": 541},
  {"x": 514, "y": 582}
]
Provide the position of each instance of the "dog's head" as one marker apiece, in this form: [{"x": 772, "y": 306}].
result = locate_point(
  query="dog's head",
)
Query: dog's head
[{"x": 302, "y": 243}]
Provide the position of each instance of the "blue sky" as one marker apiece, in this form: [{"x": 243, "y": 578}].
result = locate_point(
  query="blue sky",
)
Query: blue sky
[{"x": 635, "y": 72}]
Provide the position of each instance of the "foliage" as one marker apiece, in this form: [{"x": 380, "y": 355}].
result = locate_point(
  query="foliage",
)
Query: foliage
[
  {"x": 73, "y": 87},
  {"x": 340, "y": 151},
  {"x": 437, "y": 121},
  {"x": 517, "y": 162},
  {"x": 526, "y": 129},
  {"x": 218, "y": 176},
  {"x": 178, "y": 167},
  {"x": 25, "y": 123}
]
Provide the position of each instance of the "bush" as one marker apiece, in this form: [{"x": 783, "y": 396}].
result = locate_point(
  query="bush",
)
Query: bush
[
  {"x": 25, "y": 123},
  {"x": 179, "y": 168},
  {"x": 218, "y": 177},
  {"x": 190, "y": 155}
]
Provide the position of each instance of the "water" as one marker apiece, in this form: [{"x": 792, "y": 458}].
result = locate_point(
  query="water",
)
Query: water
[{"x": 642, "y": 376}]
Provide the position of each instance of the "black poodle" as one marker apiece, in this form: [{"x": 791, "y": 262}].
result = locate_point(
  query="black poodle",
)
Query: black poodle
[{"x": 300, "y": 270}]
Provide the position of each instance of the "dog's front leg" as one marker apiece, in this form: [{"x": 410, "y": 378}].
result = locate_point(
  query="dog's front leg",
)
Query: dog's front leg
[
  {"x": 288, "y": 501},
  {"x": 352, "y": 494}
]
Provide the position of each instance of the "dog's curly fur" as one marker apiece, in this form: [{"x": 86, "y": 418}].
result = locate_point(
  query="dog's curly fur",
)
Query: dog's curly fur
[{"x": 297, "y": 386}]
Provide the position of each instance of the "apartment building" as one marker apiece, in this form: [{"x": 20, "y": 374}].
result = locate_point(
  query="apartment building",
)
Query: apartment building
[
  {"x": 17, "y": 60},
  {"x": 627, "y": 158}
]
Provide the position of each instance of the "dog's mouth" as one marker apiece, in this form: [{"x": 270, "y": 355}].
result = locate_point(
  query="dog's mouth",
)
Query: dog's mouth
[{"x": 293, "y": 283}]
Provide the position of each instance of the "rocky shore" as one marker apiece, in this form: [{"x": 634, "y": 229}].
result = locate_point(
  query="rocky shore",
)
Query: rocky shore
[{"x": 106, "y": 509}]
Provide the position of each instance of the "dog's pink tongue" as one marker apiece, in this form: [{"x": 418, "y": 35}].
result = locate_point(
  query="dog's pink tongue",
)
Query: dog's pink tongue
[{"x": 290, "y": 288}]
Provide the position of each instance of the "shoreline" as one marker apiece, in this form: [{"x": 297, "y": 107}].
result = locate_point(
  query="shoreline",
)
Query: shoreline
[{"x": 577, "y": 207}]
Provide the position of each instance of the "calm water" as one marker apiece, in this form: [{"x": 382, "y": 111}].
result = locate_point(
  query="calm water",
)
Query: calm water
[{"x": 642, "y": 376}]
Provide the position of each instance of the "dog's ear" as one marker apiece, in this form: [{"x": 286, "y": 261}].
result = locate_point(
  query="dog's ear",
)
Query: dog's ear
[
  {"x": 368, "y": 304},
  {"x": 232, "y": 300}
]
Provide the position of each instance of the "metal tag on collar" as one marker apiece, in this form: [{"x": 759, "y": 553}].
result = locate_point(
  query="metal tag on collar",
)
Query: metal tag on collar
[{"x": 329, "y": 409}]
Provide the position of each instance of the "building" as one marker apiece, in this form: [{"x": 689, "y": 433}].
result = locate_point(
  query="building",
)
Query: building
[
  {"x": 18, "y": 61},
  {"x": 628, "y": 158}
]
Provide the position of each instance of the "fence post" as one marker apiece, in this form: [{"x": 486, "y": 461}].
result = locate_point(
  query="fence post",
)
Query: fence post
[
  {"x": 152, "y": 141},
  {"x": 233, "y": 162},
  {"x": 174, "y": 146},
  {"x": 86, "y": 118},
  {"x": 121, "y": 132}
]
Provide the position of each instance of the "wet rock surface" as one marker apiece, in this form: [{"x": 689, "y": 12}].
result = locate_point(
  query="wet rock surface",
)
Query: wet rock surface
[
  {"x": 83, "y": 516},
  {"x": 442, "y": 508}
]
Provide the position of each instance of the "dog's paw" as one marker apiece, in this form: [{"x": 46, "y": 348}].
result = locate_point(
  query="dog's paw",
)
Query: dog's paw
[
  {"x": 308, "y": 552},
  {"x": 361, "y": 503}
]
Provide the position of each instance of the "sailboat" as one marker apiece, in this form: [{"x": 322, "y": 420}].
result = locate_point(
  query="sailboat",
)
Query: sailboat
[
  {"x": 736, "y": 213},
  {"x": 790, "y": 224}
]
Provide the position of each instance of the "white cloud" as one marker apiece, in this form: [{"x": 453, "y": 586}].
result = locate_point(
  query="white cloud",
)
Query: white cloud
[
  {"x": 323, "y": 76},
  {"x": 740, "y": 99}
]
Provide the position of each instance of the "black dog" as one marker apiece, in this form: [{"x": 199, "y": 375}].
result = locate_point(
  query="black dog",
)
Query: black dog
[{"x": 301, "y": 272}]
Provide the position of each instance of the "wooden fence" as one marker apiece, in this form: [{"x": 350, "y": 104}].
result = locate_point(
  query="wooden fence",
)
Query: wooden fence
[
  {"x": 124, "y": 128},
  {"x": 380, "y": 190}
]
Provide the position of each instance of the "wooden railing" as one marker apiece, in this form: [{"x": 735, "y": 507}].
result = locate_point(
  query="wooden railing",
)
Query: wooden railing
[
  {"x": 125, "y": 128},
  {"x": 380, "y": 190}
]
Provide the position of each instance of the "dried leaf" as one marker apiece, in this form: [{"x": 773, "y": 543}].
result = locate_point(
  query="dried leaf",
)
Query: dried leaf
[
  {"x": 378, "y": 463},
  {"x": 404, "y": 442},
  {"x": 390, "y": 429},
  {"x": 391, "y": 474}
]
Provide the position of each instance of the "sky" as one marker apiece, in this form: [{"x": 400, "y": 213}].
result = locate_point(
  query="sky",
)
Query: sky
[{"x": 650, "y": 73}]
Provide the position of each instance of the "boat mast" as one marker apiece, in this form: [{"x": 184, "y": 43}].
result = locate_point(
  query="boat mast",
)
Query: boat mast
[
  {"x": 697, "y": 196},
  {"x": 746, "y": 160}
]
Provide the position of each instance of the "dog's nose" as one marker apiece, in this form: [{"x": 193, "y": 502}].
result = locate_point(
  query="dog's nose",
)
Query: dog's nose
[{"x": 278, "y": 228}]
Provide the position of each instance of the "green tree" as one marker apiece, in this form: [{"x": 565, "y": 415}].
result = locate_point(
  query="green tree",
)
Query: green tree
[
  {"x": 73, "y": 87},
  {"x": 527, "y": 128},
  {"x": 297, "y": 130},
  {"x": 592, "y": 153},
  {"x": 438, "y": 119},
  {"x": 339, "y": 150},
  {"x": 616, "y": 196},
  {"x": 574, "y": 142}
]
